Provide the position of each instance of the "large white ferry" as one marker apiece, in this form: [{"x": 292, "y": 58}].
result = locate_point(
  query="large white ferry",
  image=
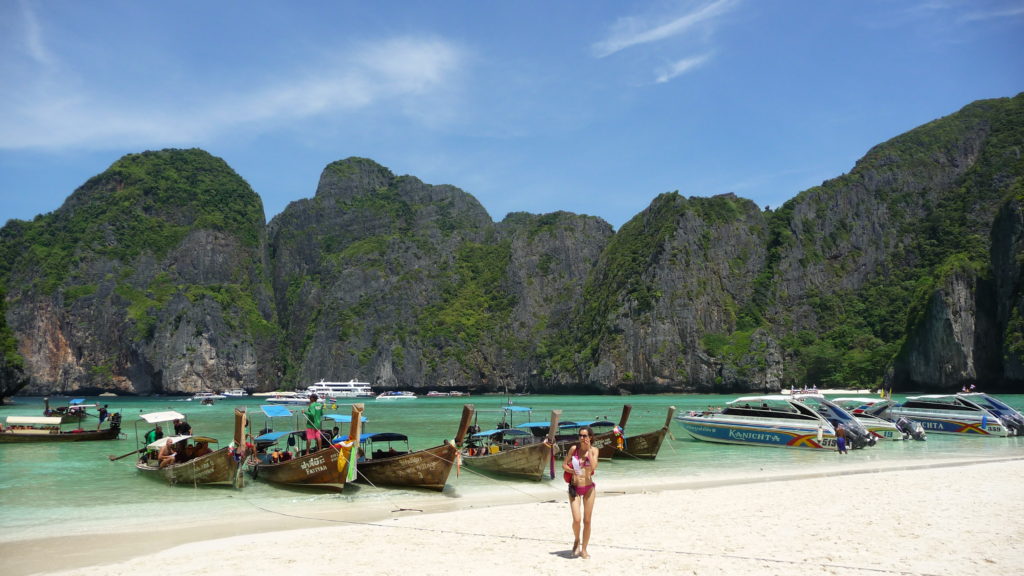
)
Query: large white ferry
[{"x": 350, "y": 389}]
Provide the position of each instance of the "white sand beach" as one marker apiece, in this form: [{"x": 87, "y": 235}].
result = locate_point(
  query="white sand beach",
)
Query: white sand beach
[{"x": 956, "y": 517}]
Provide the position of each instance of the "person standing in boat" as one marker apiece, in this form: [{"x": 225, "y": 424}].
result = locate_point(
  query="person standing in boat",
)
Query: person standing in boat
[
  {"x": 581, "y": 463},
  {"x": 314, "y": 417},
  {"x": 102, "y": 414}
]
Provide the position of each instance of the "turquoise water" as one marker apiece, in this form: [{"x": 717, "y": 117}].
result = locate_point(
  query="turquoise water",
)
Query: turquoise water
[{"x": 73, "y": 488}]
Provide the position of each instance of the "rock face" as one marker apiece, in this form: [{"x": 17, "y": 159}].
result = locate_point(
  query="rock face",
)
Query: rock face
[
  {"x": 148, "y": 280},
  {"x": 158, "y": 276}
]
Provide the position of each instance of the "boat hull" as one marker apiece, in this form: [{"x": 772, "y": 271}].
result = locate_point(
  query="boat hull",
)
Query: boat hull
[
  {"x": 709, "y": 429},
  {"x": 420, "y": 469},
  {"x": 938, "y": 423},
  {"x": 37, "y": 436},
  {"x": 217, "y": 468},
  {"x": 642, "y": 446},
  {"x": 527, "y": 462},
  {"x": 319, "y": 469}
]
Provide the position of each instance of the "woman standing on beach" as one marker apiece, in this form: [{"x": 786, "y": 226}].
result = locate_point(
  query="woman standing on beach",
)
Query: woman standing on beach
[{"x": 581, "y": 462}]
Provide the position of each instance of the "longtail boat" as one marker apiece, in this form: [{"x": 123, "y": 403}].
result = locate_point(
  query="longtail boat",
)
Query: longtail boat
[
  {"x": 33, "y": 429},
  {"x": 427, "y": 468},
  {"x": 606, "y": 434},
  {"x": 512, "y": 452},
  {"x": 220, "y": 467},
  {"x": 644, "y": 446},
  {"x": 329, "y": 467},
  {"x": 75, "y": 411}
]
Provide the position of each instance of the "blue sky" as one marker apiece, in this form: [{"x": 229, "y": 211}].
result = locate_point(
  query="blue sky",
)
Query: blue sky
[{"x": 591, "y": 107}]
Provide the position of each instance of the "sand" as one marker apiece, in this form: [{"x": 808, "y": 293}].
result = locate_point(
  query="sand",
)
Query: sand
[{"x": 950, "y": 518}]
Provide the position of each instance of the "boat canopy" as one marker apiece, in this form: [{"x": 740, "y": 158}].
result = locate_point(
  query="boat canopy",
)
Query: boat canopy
[
  {"x": 581, "y": 423},
  {"x": 343, "y": 418},
  {"x": 275, "y": 436},
  {"x": 77, "y": 401},
  {"x": 275, "y": 410},
  {"x": 375, "y": 437},
  {"x": 157, "y": 417},
  {"x": 34, "y": 420},
  {"x": 537, "y": 424},
  {"x": 175, "y": 439},
  {"x": 502, "y": 431},
  {"x": 518, "y": 409}
]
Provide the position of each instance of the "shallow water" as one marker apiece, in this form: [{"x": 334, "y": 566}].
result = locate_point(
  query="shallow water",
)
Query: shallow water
[{"x": 73, "y": 488}]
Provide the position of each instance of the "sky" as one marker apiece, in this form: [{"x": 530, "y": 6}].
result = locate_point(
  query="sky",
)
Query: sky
[{"x": 592, "y": 107}]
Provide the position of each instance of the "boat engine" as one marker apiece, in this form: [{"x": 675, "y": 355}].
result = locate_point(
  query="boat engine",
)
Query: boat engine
[
  {"x": 858, "y": 436},
  {"x": 910, "y": 429},
  {"x": 1014, "y": 422}
]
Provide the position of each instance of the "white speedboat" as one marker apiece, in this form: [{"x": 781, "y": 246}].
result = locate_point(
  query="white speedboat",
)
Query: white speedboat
[
  {"x": 801, "y": 421},
  {"x": 396, "y": 395},
  {"x": 207, "y": 396},
  {"x": 236, "y": 393},
  {"x": 867, "y": 410},
  {"x": 970, "y": 413},
  {"x": 350, "y": 389},
  {"x": 294, "y": 398}
]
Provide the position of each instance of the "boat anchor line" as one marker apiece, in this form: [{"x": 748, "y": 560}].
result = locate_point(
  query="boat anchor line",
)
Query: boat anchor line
[{"x": 463, "y": 533}]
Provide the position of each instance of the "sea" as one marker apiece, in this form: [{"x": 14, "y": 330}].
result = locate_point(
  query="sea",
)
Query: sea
[{"x": 62, "y": 489}]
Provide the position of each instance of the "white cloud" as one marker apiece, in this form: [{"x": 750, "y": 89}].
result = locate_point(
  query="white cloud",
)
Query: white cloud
[
  {"x": 34, "y": 44},
  {"x": 634, "y": 31},
  {"x": 401, "y": 72},
  {"x": 681, "y": 67}
]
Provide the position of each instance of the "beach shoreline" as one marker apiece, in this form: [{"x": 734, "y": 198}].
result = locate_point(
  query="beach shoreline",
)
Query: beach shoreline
[{"x": 847, "y": 518}]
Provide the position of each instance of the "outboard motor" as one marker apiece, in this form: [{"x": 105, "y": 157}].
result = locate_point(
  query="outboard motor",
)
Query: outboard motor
[
  {"x": 858, "y": 436},
  {"x": 910, "y": 429},
  {"x": 1014, "y": 422}
]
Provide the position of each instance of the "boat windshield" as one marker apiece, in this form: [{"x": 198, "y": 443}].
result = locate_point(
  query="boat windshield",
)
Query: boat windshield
[{"x": 986, "y": 401}]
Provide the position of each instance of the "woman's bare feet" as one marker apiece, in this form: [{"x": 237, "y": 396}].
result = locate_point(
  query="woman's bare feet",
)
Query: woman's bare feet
[{"x": 583, "y": 554}]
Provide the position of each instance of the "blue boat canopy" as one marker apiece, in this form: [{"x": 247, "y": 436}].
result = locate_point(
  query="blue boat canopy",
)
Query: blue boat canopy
[
  {"x": 77, "y": 401},
  {"x": 275, "y": 411},
  {"x": 343, "y": 418},
  {"x": 537, "y": 424},
  {"x": 374, "y": 437},
  {"x": 274, "y": 436},
  {"x": 587, "y": 423},
  {"x": 518, "y": 409},
  {"x": 503, "y": 431}
]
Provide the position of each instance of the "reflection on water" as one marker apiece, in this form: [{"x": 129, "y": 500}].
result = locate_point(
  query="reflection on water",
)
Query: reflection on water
[{"x": 76, "y": 485}]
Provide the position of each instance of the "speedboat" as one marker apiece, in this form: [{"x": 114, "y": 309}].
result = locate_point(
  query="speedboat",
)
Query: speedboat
[
  {"x": 789, "y": 421},
  {"x": 207, "y": 396},
  {"x": 969, "y": 413},
  {"x": 867, "y": 410},
  {"x": 396, "y": 395},
  {"x": 289, "y": 398},
  {"x": 236, "y": 393}
]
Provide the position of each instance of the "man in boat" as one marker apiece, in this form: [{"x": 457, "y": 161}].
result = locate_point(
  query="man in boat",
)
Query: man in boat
[
  {"x": 166, "y": 454},
  {"x": 155, "y": 434},
  {"x": 182, "y": 428},
  {"x": 102, "y": 414},
  {"x": 314, "y": 418},
  {"x": 201, "y": 449}
]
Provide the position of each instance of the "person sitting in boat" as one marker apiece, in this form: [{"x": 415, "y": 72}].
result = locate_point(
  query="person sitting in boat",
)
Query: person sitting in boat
[
  {"x": 202, "y": 449},
  {"x": 166, "y": 456},
  {"x": 185, "y": 454},
  {"x": 155, "y": 434}
]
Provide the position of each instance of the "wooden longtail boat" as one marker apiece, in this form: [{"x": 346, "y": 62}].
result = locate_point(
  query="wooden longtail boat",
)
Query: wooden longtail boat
[
  {"x": 644, "y": 446},
  {"x": 220, "y": 467},
  {"x": 34, "y": 429},
  {"x": 606, "y": 434},
  {"x": 427, "y": 468},
  {"x": 327, "y": 468},
  {"x": 499, "y": 455},
  {"x": 74, "y": 412}
]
